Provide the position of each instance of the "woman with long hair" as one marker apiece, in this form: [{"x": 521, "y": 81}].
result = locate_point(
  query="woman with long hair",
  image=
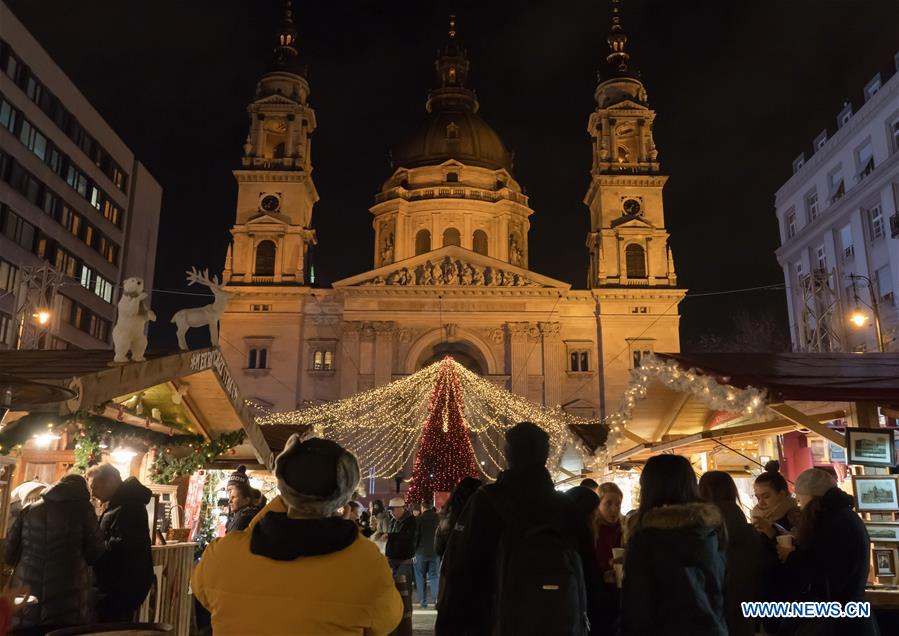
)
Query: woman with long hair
[
  {"x": 748, "y": 558},
  {"x": 608, "y": 532},
  {"x": 828, "y": 561},
  {"x": 675, "y": 561}
]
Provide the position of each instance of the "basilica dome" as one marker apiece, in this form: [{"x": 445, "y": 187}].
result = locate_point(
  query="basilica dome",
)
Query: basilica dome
[{"x": 453, "y": 134}]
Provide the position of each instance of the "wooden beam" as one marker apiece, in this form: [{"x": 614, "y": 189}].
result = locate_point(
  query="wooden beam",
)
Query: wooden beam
[
  {"x": 809, "y": 422},
  {"x": 633, "y": 436},
  {"x": 630, "y": 452},
  {"x": 671, "y": 416}
]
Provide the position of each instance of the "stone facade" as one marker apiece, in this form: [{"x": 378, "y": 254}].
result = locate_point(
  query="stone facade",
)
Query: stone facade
[{"x": 451, "y": 272}]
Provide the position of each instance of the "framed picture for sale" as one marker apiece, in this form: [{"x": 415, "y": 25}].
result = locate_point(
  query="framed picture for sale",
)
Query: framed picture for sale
[
  {"x": 876, "y": 493},
  {"x": 871, "y": 446},
  {"x": 883, "y": 531},
  {"x": 884, "y": 562}
]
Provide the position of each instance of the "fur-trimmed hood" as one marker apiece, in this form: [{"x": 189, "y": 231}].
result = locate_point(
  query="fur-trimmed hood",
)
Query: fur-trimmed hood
[{"x": 697, "y": 515}]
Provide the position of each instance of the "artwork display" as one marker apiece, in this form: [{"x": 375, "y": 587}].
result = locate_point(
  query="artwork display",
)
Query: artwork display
[
  {"x": 883, "y": 531},
  {"x": 871, "y": 446},
  {"x": 884, "y": 562},
  {"x": 876, "y": 493},
  {"x": 202, "y": 316},
  {"x": 453, "y": 272}
]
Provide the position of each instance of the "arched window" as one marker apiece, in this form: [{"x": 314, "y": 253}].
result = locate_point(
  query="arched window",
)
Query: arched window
[
  {"x": 635, "y": 258},
  {"x": 451, "y": 236},
  {"x": 422, "y": 242},
  {"x": 479, "y": 242},
  {"x": 265, "y": 258}
]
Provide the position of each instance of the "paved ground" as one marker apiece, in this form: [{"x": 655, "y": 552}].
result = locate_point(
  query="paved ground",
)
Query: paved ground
[{"x": 423, "y": 621}]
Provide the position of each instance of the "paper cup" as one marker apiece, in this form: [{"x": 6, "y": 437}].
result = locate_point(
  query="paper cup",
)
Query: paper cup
[
  {"x": 786, "y": 540},
  {"x": 617, "y": 553}
]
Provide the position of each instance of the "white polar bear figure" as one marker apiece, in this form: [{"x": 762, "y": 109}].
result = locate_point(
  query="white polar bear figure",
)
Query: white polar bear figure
[{"x": 128, "y": 333}]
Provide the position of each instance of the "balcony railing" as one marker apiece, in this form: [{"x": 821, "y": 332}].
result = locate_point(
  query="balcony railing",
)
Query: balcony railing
[{"x": 456, "y": 192}]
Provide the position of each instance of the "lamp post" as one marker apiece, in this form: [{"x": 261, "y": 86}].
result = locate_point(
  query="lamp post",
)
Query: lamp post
[{"x": 858, "y": 318}]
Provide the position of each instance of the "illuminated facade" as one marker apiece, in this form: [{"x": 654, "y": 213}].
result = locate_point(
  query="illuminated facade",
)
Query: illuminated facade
[
  {"x": 451, "y": 252},
  {"x": 838, "y": 222}
]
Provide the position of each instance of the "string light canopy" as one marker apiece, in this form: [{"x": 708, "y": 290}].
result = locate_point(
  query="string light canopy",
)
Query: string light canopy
[
  {"x": 383, "y": 426},
  {"x": 712, "y": 390}
]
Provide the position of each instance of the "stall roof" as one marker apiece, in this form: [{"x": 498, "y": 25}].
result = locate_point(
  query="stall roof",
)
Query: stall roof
[
  {"x": 817, "y": 377},
  {"x": 212, "y": 399}
]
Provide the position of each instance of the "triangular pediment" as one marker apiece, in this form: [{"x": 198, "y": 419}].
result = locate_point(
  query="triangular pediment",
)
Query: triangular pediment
[
  {"x": 452, "y": 266},
  {"x": 265, "y": 218},
  {"x": 628, "y": 104},
  {"x": 631, "y": 221},
  {"x": 275, "y": 99}
]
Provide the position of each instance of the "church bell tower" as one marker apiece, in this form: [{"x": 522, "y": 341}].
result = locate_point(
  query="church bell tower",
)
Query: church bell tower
[
  {"x": 272, "y": 232},
  {"x": 631, "y": 272}
]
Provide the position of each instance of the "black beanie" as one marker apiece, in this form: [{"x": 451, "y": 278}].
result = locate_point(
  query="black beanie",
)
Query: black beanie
[
  {"x": 527, "y": 445},
  {"x": 585, "y": 499},
  {"x": 310, "y": 467},
  {"x": 239, "y": 476}
]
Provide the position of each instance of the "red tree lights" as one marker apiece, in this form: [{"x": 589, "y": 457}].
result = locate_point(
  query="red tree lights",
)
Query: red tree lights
[{"x": 445, "y": 454}]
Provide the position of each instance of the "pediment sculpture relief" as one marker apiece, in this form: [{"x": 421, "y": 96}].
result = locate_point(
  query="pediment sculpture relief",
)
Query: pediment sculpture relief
[{"x": 453, "y": 272}]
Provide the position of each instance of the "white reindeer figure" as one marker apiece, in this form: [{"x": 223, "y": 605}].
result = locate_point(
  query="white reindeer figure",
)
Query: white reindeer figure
[{"x": 199, "y": 316}]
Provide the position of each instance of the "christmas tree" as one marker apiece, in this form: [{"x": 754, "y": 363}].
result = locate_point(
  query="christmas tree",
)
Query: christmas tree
[{"x": 445, "y": 454}]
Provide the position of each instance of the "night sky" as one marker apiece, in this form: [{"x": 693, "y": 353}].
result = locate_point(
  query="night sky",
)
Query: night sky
[{"x": 740, "y": 88}]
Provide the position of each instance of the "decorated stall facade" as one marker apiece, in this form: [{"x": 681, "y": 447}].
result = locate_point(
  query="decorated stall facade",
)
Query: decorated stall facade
[{"x": 733, "y": 412}]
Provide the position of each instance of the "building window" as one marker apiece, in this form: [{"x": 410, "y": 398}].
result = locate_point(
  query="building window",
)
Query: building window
[
  {"x": 821, "y": 258},
  {"x": 798, "y": 269},
  {"x": 875, "y": 218},
  {"x": 635, "y": 260},
  {"x": 638, "y": 356},
  {"x": 811, "y": 205},
  {"x": 885, "y": 284},
  {"x": 798, "y": 162},
  {"x": 639, "y": 310},
  {"x": 791, "y": 224},
  {"x": 580, "y": 361},
  {"x": 872, "y": 87},
  {"x": 451, "y": 236},
  {"x": 846, "y": 242},
  {"x": 5, "y": 327},
  {"x": 422, "y": 242},
  {"x": 452, "y": 177},
  {"x": 8, "y": 274},
  {"x": 257, "y": 358},
  {"x": 265, "y": 259},
  {"x": 894, "y": 127},
  {"x": 260, "y": 307},
  {"x": 864, "y": 161},
  {"x": 820, "y": 140},
  {"x": 479, "y": 242},
  {"x": 837, "y": 186},
  {"x": 323, "y": 360}
]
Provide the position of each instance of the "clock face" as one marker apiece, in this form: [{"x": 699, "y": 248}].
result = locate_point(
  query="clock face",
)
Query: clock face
[
  {"x": 270, "y": 203},
  {"x": 632, "y": 207}
]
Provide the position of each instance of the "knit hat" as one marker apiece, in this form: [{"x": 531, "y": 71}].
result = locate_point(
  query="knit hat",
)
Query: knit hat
[
  {"x": 814, "y": 482},
  {"x": 239, "y": 476},
  {"x": 527, "y": 445},
  {"x": 396, "y": 502},
  {"x": 316, "y": 476}
]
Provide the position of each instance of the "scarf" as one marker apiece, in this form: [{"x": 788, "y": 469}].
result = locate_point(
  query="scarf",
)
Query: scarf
[{"x": 787, "y": 507}]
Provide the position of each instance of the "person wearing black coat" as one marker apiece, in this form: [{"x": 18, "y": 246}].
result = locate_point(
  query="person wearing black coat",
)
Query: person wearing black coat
[
  {"x": 674, "y": 563},
  {"x": 125, "y": 571},
  {"x": 52, "y": 545},
  {"x": 466, "y": 600},
  {"x": 401, "y": 538},
  {"x": 830, "y": 560}
]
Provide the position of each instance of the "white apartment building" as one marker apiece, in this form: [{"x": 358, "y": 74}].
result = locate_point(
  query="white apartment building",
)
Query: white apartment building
[
  {"x": 839, "y": 229},
  {"x": 71, "y": 194}
]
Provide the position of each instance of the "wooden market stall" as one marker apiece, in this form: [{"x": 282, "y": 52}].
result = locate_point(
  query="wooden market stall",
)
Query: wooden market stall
[
  {"x": 734, "y": 411},
  {"x": 159, "y": 420}
]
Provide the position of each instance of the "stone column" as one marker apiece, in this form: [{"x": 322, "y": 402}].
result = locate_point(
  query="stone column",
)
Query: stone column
[
  {"x": 349, "y": 359},
  {"x": 650, "y": 273},
  {"x": 622, "y": 270},
  {"x": 503, "y": 253},
  {"x": 384, "y": 331},
  {"x": 518, "y": 349},
  {"x": 613, "y": 143},
  {"x": 553, "y": 362}
]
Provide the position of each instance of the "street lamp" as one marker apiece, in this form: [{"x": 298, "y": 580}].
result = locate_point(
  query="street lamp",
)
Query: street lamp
[
  {"x": 43, "y": 316},
  {"x": 858, "y": 317}
]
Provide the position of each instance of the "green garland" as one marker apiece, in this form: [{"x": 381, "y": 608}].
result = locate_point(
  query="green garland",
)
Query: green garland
[{"x": 172, "y": 455}]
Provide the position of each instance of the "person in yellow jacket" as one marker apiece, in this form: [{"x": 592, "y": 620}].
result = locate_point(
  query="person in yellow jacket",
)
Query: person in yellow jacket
[{"x": 298, "y": 570}]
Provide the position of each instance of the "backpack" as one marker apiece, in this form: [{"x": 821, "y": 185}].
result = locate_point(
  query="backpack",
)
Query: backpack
[{"x": 539, "y": 584}]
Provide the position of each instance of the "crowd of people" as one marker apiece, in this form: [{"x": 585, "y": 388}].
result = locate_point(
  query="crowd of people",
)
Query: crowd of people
[
  {"x": 518, "y": 557},
  {"x": 513, "y": 557},
  {"x": 78, "y": 567}
]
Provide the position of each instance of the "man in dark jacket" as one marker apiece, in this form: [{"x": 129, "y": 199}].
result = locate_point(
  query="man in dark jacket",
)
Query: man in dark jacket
[
  {"x": 466, "y": 602},
  {"x": 401, "y": 536},
  {"x": 52, "y": 545},
  {"x": 426, "y": 564},
  {"x": 125, "y": 571}
]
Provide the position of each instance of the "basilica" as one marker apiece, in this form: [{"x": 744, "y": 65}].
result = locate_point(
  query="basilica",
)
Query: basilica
[{"x": 450, "y": 272}]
